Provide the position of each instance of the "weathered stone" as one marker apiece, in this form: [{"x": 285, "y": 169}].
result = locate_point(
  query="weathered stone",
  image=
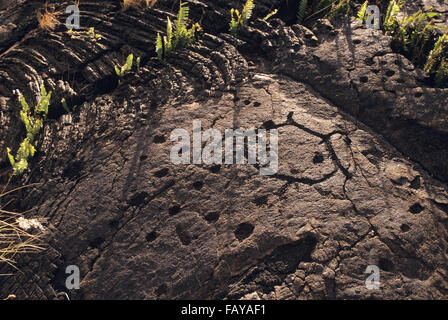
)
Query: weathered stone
[{"x": 346, "y": 195}]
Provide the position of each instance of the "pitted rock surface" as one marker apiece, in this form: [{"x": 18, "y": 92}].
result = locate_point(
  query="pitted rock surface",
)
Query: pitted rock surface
[{"x": 361, "y": 179}]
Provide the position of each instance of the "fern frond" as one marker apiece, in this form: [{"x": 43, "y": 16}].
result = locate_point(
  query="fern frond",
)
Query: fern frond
[
  {"x": 180, "y": 25},
  {"x": 129, "y": 62},
  {"x": 26, "y": 121},
  {"x": 160, "y": 46},
  {"x": 303, "y": 6},
  {"x": 390, "y": 20},
  {"x": 33, "y": 124},
  {"x": 246, "y": 14},
  {"x": 441, "y": 77},
  {"x": 387, "y": 17},
  {"x": 234, "y": 21},
  {"x": 178, "y": 35},
  {"x": 24, "y": 104},
  {"x": 10, "y": 157},
  {"x": 168, "y": 40},
  {"x": 436, "y": 53},
  {"x": 239, "y": 19},
  {"x": 124, "y": 68},
  {"x": 43, "y": 91},
  {"x": 117, "y": 71},
  {"x": 270, "y": 14},
  {"x": 362, "y": 12},
  {"x": 182, "y": 17},
  {"x": 41, "y": 108}
]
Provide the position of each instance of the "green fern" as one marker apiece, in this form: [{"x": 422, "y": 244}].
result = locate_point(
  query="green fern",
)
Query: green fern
[
  {"x": 361, "y": 16},
  {"x": 33, "y": 124},
  {"x": 436, "y": 53},
  {"x": 441, "y": 76},
  {"x": 247, "y": 11},
  {"x": 234, "y": 21},
  {"x": 423, "y": 31},
  {"x": 180, "y": 27},
  {"x": 240, "y": 19},
  {"x": 390, "y": 20},
  {"x": 416, "y": 37},
  {"x": 160, "y": 46},
  {"x": 437, "y": 64},
  {"x": 82, "y": 34},
  {"x": 413, "y": 35},
  {"x": 178, "y": 36},
  {"x": 124, "y": 68},
  {"x": 41, "y": 109},
  {"x": 303, "y": 7}
]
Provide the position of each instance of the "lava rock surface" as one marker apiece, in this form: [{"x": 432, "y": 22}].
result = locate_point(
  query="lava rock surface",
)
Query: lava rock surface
[{"x": 362, "y": 178}]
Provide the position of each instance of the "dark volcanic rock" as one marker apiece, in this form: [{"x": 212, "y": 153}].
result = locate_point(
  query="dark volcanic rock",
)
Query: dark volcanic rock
[{"x": 362, "y": 163}]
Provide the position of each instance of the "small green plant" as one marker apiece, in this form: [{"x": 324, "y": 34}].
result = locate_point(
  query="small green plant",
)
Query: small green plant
[
  {"x": 33, "y": 122},
  {"x": 338, "y": 8},
  {"x": 138, "y": 63},
  {"x": 441, "y": 76},
  {"x": 417, "y": 37},
  {"x": 178, "y": 35},
  {"x": 79, "y": 34},
  {"x": 120, "y": 71},
  {"x": 437, "y": 63},
  {"x": 390, "y": 23},
  {"x": 238, "y": 19},
  {"x": 92, "y": 35},
  {"x": 437, "y": 53}
]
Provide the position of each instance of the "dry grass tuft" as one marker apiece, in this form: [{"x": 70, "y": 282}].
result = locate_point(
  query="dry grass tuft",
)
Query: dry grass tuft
[
  {"x": 16, "y": 235},
  {"x": 47, "y": 19}
]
